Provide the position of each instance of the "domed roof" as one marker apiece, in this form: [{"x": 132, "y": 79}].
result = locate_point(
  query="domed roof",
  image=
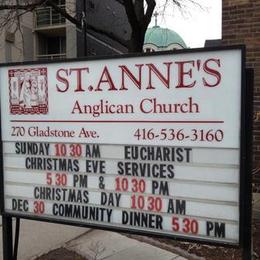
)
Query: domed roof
[{"x": 163, "y": 37}]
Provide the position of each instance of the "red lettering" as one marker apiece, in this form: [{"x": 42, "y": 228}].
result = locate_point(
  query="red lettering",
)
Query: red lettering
[
  {"x": 62, "y": 80},
  {"x": 182, "y": 73},
  {"x": 164, "y": 80},
  {"x": 106, "y": 78},
  {"x": 212, "y": 72},
  {"x": 79, "y": 77},
  {"x": 137, "y": 82},
  {"x": 142, "y": 105}
]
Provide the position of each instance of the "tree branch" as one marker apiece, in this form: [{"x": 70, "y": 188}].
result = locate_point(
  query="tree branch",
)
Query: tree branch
[
  {"x": 131, "y": 15},
  {"x": 23, "y": 7},
  {"x": 139, "y": 10},
  {"x": 149, "y": 12}
]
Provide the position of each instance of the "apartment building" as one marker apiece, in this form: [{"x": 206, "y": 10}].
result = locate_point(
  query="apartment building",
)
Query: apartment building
[{"x": 45, "y": 34}]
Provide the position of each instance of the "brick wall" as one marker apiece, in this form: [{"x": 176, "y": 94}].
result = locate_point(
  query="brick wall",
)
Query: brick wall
[{"x": 241, "y": 25}]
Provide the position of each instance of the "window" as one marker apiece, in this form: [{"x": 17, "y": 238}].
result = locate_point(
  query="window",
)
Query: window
[{"x": 51, "y": 47}]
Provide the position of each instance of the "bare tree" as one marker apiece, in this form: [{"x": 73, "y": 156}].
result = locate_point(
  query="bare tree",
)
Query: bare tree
[{"x": 138, "y": 12}]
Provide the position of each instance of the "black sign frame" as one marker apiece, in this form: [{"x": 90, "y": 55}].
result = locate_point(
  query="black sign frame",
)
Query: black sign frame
[{"x": 245, "y": 160}]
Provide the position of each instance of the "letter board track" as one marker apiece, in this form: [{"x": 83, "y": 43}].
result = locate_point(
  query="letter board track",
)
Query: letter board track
[{"x": 147, "y": 144}]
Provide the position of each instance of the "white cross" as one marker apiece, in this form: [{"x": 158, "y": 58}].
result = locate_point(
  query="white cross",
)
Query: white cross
[{"x": 156, "y": 15}]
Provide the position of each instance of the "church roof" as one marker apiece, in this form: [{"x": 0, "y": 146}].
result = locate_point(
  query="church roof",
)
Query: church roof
[{"x": 163, "y": 37}]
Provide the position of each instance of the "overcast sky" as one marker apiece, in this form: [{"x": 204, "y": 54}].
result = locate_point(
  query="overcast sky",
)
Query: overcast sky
[{"x": 194, "y": 24}]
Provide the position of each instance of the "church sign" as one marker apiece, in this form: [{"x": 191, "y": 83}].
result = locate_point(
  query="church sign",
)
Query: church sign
[{"x": 148, "y": 144}]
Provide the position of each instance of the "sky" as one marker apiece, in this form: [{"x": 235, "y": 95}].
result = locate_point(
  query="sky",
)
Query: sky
[{"x": 194, "y": 24}]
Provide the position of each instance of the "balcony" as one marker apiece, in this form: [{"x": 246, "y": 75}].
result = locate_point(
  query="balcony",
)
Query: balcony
[
  {"x": 58, "y": 56},
  {"x": 46, "y": 17}
]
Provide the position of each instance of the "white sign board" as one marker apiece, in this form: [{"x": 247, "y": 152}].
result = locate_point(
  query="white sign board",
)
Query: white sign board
[{"x": 148, "y": 144}]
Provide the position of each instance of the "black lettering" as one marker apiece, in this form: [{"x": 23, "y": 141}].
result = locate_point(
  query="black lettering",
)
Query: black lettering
[
  {"x": 20, "y": 205},
  {"x": 215, "y": 229},
  {"x": 120, "y": 170},
  {"x": 110, "y": 199},
  {"x": 52, "y": 164},
  {"x": 92, "y": 151},
  {"x": 80, "y": 181},
  {"x": 181, "y": 207},
  {"x": 176, "y": 207},
  {"x": 188, "y": 153},
  {"x": 160, "y": 187},
  {"x": 170, "y": 169},
  {"x": 95, "y": 166},
  {"x": 17, "y": 146},
  {"x": 127, "y": 152},
  {"x": 220, "y": 230},
  {"x": 140, "y": 219},
  {"x": 179, "y": 154},
  {"x": 85, "y": 196}
]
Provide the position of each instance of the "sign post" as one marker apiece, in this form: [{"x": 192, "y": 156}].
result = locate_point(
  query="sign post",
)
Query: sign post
[
  {"x": 7, "y": 238},
  {"x": 247, "y": 193},
  {"x": 148, "y": 144}
]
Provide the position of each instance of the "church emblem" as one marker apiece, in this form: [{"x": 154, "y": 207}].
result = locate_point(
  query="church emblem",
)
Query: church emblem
[{"x": 28, "y": 91}]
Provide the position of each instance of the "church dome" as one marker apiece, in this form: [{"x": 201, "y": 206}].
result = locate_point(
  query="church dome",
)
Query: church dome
[{"x": 157, "y": 38}]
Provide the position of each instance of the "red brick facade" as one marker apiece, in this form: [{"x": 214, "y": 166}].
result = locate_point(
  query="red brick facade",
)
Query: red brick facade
[{"x": 241, "y": 25}]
